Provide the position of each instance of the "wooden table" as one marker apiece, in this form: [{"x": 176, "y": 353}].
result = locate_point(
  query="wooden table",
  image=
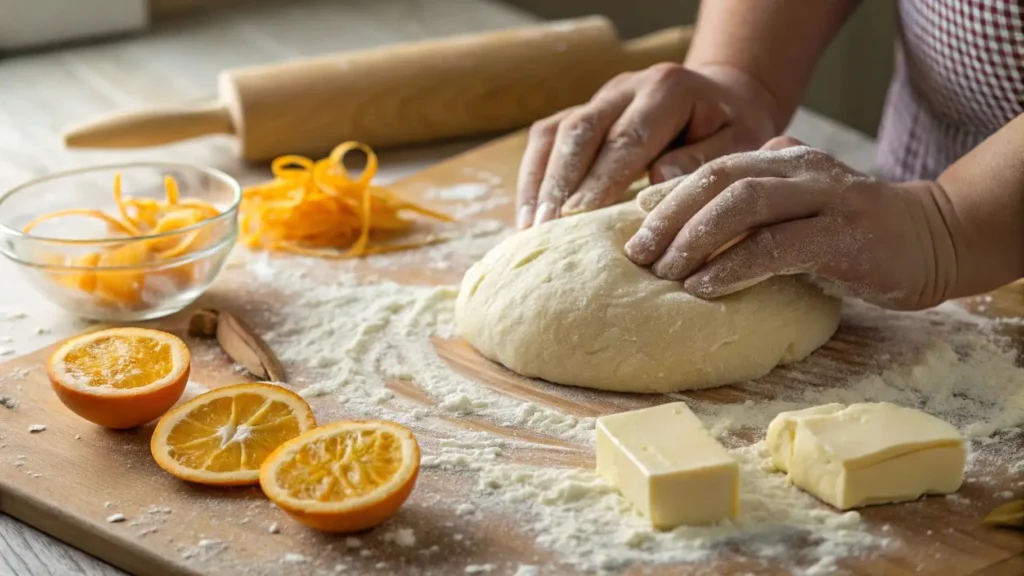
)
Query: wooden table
[{"x": 179, "y": 61}]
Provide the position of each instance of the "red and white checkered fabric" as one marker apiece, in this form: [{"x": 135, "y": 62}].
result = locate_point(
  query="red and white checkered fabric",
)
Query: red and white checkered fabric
[{"x": 959, "y": 78}]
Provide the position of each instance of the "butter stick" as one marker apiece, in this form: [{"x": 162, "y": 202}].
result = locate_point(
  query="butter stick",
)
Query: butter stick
[
  {"x": 870, "y": 453},
  {"x": 667, "y": 464}
]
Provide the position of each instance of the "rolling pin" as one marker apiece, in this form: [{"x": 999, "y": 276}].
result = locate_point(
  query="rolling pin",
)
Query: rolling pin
[{"x": 401, "y": 94}]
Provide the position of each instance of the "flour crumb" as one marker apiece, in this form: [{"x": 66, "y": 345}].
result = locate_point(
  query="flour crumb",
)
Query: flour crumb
[
  {"x": 465, "y": 509},
  {"x": 274, "y": 528},
  {"x": 1005, "y": 494},
  {"x": 365, "y": 553},
  {"x": 479, "y": 568},
  {"x": 78, "y": 436},
  {"x": 352, "y": 542},
  {"x": 381, "y": 565},
  {"x": 8, "y": 402},
  {"x": 109, "y": 504},
  {"x": 293, "y": 558},
  {"x": 340, "y": 567},
  {"x": 404, "y": 537},
  {"x": 593, "y": 528},
  {"x": 114, "y": 518},
  {"x": 527, "y": 570},
  {"x": 6, "y": 351},
  {"x": 148, "y": 531},
  {"x": 33, "y": 428}
]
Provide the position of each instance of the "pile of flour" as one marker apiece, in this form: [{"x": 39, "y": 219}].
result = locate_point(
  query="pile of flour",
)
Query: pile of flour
[{"x": 345, "y": 340}]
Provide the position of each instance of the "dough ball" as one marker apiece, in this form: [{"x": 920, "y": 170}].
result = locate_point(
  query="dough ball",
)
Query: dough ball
[{"x": 563, "y": 303}]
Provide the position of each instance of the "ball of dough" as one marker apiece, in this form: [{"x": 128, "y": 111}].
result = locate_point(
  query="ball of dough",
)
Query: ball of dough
[{"x": 562, "y": 302}]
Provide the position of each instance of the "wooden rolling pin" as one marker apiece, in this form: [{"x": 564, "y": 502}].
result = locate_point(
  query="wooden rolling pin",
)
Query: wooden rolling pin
[{"x": 402, "y": 94}]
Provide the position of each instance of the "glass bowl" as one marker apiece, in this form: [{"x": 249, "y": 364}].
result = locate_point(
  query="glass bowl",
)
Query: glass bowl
[{"x": 78, "y": 264}]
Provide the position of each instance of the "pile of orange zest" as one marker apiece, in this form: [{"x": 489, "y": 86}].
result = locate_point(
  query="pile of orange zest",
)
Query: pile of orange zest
[
  {"x": 136, "y": 217},
  {"x": 319, "y": 209}
]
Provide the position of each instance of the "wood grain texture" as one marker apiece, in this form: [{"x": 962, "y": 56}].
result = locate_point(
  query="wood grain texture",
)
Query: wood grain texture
[
  {"x": 63, "y": 481},
  {"x": 179, "y": 61},
  {"x": 24, "y": 550}
]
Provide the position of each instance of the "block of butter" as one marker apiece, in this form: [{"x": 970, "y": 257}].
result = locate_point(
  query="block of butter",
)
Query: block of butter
[
  {"x": 863, "y": 454},
  {"x": 668, "y": 465}
]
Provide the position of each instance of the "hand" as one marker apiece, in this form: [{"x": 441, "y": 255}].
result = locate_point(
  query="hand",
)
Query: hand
[
  {"x": 585, "y": 157},
  {"x": 795, "y": 210}
]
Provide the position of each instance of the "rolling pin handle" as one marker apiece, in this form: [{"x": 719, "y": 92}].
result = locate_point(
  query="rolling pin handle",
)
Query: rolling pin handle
[
  {"x": 668, "y": 45},
  {"x": 152, "y": 127}
]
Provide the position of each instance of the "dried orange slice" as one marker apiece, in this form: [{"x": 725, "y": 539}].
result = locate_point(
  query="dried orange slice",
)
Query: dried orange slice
[
  {"x": 343, "y": 477},
  {"x": 221, "y": 437},
  {"x": 122, "y": 377}
]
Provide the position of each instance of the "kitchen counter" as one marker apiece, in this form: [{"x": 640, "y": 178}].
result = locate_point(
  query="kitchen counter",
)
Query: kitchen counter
[{"x": 178, "y": 61}]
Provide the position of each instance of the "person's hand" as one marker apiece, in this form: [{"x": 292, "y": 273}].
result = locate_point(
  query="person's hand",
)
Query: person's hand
[
  {"x": 585, "y": 157},
  {"x": 790, "y": 209}
]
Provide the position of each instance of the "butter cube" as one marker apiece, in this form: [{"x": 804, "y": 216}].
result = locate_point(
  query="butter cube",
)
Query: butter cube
[
  {"x": 864, "y": 454},
  {"x": 667, "y": 464}
]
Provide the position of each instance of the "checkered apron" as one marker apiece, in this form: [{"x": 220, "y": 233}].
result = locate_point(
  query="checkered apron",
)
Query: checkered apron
[{"x": 959, "y": 78}]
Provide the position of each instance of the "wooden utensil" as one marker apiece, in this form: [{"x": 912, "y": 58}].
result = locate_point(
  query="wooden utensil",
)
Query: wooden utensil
[{"x": 456, "y": 86}]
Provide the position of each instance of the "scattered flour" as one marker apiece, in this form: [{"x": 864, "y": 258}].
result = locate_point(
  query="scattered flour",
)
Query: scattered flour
[
  {"x": 204, "y": 550},
  {"x": 293, "y": 558},
  {"x": 404, "y": 537},
  {"x": 113, "y": 518},
  {"x": 465, "y": 191},
  {"x": 479, "y": 568},
  {"x": 360, "y": 343},
  {"x": 34, "y": 428},
  {"x": 8, "y": 402},
  {"x": 386, "y": 330},
  {"x": 576, "y": 513},
  {"x": 968, "y": 377}
]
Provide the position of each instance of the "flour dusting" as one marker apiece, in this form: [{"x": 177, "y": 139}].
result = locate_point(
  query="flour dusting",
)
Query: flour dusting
[{"x": 367, "y": 347}]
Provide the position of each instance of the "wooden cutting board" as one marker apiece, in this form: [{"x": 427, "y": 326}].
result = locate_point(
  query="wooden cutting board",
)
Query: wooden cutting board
[{"x": 69, "y": 478}]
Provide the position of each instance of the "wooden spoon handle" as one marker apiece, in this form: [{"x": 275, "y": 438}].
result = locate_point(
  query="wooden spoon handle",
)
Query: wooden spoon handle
[{"x": 151, "y": 127}]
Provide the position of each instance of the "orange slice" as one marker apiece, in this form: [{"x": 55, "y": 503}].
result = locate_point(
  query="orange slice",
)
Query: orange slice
[
  {"x": 343, "y": 477},
  {"x": 221, "y": 437},
  {"x": 122, "y": 377}
]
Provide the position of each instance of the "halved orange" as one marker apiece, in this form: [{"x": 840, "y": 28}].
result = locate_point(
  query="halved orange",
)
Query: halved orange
[
  {"x": 343, "y": 477},
  {"x": 121, "y": 377},
  {"x": 222, "y": 436}
]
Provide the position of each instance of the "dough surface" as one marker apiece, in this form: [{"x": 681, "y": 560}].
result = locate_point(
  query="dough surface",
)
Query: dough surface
[{"x": 562, "y": 302}]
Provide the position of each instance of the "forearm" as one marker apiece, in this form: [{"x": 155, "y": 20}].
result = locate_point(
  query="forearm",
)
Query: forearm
[
  {"x": 774, "y": 44},
  {"x": 985, "y": 214}
]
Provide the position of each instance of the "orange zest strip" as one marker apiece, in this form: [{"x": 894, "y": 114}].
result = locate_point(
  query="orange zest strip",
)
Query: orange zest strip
[
  {"x": 129, "y": 222},
  {"x": 78, "y": 212},
  {"x": 317, "y": 208},
  {"x": 171, "y": 187}
]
